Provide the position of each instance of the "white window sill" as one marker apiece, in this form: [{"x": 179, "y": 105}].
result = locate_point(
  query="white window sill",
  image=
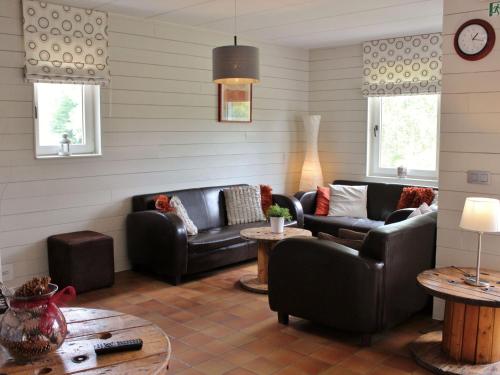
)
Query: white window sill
[
  {"x": 72, "y": 156},
  {"x": 404, "y": 181}
]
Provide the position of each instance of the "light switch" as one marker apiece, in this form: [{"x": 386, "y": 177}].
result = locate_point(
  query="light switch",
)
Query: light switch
[{"x": 478, "y": 177}]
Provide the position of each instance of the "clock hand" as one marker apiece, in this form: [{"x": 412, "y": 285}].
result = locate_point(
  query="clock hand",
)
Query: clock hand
[{"x": 474, "y": 37}]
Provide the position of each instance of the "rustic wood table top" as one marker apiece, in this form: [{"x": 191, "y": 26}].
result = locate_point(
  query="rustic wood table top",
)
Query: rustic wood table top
[
  {"x": 448, "y": 283},
  {"x": 265, "y": 234},
  {"x": 87, "y": 327}
]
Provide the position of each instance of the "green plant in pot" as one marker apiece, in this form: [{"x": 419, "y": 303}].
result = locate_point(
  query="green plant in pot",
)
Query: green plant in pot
[{"x": 277, "y": 216}]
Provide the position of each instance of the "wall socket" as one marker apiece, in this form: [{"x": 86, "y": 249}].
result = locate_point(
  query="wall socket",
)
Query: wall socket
[
  {"x": 478, "y": 177},
  {"x": 7, "y": 272}
]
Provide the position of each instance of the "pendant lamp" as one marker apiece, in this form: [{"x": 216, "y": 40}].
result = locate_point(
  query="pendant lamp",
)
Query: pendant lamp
[{"x": 235, "y": 64}]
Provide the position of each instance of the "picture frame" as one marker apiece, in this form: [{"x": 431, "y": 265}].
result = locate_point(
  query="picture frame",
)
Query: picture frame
[{"x": 235, "y": 103}]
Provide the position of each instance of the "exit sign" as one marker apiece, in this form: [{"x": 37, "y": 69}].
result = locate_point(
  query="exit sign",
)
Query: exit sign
[{"x": 494, "y": 8}]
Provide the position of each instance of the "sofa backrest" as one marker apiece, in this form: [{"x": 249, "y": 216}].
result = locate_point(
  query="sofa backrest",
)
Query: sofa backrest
[
  {"x": 205, "y": 206},
  {"x": 382, "y": 198}
]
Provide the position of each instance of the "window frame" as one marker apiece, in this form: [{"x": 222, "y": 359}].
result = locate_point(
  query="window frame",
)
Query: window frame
[
  {"x": 373, "y": 145},
  {"x": 91, "y": 110}
]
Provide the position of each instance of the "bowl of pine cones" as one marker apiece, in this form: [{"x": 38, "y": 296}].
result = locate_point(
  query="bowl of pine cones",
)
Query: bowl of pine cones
[{"x": 33, "y": 326}]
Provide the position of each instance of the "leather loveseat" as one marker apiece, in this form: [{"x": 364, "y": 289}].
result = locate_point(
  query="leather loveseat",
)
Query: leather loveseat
[
  {"x": 158, "y": 242},
  {"x": 382, "y": 199},
  {"x": 364, "y": 291}
]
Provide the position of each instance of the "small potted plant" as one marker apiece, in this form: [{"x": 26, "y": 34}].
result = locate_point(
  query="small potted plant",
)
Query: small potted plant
[{"x": 277, "y": 215}]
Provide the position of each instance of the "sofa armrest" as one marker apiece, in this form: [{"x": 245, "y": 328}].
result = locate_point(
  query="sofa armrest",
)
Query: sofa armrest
[
  {"x": 157, "y": 241},
  {"x": 325, "y": 282},
  {"x": 293, "y": 205},
  {"x": 399, "y": 215},
  {"x": 308, "y": 201}
]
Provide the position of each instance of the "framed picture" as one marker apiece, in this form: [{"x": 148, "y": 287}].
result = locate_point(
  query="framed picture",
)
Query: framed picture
[{"x": 235, "y": 103}]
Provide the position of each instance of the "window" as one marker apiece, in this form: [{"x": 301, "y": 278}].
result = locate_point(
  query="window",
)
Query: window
[
  {"x": 71, "y": 109},
  {"x": 403, "y": 131}
]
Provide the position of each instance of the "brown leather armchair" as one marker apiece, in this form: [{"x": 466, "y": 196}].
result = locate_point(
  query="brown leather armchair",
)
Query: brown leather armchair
[{"x": 366, "y": 291}]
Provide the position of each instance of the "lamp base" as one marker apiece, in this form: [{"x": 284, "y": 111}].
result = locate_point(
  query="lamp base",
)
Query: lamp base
[{"x": 472, "y": 281}]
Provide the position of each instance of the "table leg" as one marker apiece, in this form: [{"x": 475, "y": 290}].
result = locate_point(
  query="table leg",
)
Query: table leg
[
  {"x": 263, "y": 261},
  {"x": 471, "y": 333},
  {"x": 258, "y": 283},
  {"x": 468, "y": 344}
]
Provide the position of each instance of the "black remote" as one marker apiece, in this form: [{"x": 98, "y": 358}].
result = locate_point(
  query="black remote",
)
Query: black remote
[{"x": 118, "y": 346}]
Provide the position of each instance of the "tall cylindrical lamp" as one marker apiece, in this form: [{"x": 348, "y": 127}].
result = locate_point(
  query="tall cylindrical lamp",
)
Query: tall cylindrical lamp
[
  {"x": 481, "y": 215},
  {"x": 311, "y": 176}
]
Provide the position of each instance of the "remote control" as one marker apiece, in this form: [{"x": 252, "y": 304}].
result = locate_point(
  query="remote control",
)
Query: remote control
[{"x": 118, "y": 346}]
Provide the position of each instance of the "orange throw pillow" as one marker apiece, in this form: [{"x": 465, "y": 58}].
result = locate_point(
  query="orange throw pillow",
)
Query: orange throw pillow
[
  {"x": 162, "y": 203},
  {"x": 322, "y": 201},
  {"x": 266, "y": 197},
  {"x": 413, "y": 197}
]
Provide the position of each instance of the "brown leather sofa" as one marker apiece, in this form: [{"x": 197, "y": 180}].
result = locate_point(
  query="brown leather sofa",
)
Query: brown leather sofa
[
  {"x": 382, "y": 200},
  {"x": 159, "y": 243},
  {"x": 366, "y": 291}
]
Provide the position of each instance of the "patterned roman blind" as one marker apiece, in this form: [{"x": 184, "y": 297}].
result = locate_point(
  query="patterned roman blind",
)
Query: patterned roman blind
[
  {"x": 65, "y": 44},
  {"x": 402, "y": 66}
]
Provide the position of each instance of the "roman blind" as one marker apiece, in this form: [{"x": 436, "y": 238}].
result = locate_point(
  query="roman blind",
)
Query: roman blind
[
  {"x": 65, "y": 44},
  {"x": 402, "y": 66}
]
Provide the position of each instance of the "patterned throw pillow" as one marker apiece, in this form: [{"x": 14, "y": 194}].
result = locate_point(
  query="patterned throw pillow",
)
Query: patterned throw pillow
[
  {"x": 176, "y": 203},
  {"x": 243, "y": 205},
  {"x": 266, "y": 197},
  {"x": 322, "y": 201},
  {"x": 413, "y": 197}
]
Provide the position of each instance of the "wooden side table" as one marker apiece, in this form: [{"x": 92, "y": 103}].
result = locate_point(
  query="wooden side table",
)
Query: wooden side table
[
  {"x": 89, "y": 326},
  {"x": 266, "y": 240},
  {"x": 470, "y": 340}
]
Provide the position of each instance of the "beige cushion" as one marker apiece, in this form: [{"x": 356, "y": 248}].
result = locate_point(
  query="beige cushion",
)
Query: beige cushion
[
  {"x": 243, "y": 205},
  {"x": 180, "y": 210},
  {"x": 348, "y": 200}
]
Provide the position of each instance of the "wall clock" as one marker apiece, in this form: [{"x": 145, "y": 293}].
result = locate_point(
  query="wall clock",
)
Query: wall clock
[{"x": 474, "y": 39}]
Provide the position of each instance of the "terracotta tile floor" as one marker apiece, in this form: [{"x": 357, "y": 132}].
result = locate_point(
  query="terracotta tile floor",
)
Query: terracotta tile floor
[{"x": 218, "y": 328}]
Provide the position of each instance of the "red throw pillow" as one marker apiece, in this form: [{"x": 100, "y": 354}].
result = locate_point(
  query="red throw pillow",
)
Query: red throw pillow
[
  {"x": 266, "y": 197},
  {"x": 413, "y": 197},
  {"x": 322, "y": 201},
  {"x": 162, "y": 203}
]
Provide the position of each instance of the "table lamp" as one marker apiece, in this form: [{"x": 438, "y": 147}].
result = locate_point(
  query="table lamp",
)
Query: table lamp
[{"x": 481, "y": 215}]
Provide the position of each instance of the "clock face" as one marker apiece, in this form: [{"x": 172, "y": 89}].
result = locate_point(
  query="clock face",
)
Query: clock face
[
  {"x": 475, "y": 39},
  {"x": 472, "y": 39}
]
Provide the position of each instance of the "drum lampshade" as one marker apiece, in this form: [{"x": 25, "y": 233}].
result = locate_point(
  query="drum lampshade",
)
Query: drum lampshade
[{"x": 235, "y": 64}]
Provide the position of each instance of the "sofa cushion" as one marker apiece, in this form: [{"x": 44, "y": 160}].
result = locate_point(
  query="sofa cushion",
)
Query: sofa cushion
[
  {"x": 216, "y": 238},
  {"x": 331, "y": 224},
  {"x": 382, "y": 198}
]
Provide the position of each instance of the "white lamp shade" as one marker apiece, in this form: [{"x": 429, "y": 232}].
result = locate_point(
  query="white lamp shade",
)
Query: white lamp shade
[{"x": 481, "y": 214}]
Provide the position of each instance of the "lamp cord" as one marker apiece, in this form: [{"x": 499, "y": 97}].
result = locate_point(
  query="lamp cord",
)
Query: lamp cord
[{"x": 235, "y": 30}]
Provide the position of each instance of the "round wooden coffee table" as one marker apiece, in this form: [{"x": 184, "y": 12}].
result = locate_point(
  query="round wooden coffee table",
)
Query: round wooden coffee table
[
  {"x": 469, "y": 343},
  {"x": 87, "y": 327},
  {"x": 266, "y": 240}
]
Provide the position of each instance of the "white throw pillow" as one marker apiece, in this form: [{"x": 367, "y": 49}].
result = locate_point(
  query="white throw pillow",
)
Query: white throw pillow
[
  {"x": 243, "y": 205},
  {"x": 180, "y": 210},
  {"x": 422, "y": 209},
  {"x": 346, "y": 200}
]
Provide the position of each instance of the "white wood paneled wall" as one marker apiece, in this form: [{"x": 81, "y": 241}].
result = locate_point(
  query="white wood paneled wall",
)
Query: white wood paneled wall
[
  {"x": 336, "y": 77},
  {"x": 159, "y": 133},
  {"x": 470, "y": 138}
]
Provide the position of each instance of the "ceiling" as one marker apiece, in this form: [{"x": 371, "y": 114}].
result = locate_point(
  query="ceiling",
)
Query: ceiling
[{"x": 298, "y": 23}]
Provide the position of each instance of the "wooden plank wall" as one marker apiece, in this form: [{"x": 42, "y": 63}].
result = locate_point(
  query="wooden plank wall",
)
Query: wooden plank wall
[
  {"x": 336, "y": 78},
  {"x": 470, "y": 138},
  {"x": 159, "y": 133}
]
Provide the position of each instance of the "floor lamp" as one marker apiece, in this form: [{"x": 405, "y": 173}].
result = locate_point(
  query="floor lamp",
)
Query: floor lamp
[{"x": 481, "y": 215}]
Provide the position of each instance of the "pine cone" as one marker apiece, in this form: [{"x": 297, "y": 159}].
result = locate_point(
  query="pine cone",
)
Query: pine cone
[{"x": 35, "y": 287}]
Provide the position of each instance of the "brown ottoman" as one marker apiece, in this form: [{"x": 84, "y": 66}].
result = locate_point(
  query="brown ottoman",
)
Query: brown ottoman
[{"x": 81, "y": 259}]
